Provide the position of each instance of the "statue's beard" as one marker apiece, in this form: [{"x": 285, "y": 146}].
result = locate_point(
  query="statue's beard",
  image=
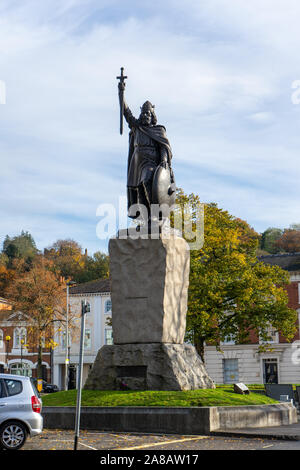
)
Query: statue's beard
[{"x": 145, "y": 122}]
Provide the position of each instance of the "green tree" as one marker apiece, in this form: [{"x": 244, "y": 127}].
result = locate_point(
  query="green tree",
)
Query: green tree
[
  {"x": 19, "y": 247},
  {"x": 269, "y": 238},
  {"x": 95, "y": 267},
  {"x": 230, "y": 291}
]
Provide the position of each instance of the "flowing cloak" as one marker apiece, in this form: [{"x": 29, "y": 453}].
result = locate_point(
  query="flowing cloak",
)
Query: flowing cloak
[{"x": 140, "y": 168}]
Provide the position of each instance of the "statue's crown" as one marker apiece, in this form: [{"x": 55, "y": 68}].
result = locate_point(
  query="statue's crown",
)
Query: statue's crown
[{"x": 147, "y": 106}]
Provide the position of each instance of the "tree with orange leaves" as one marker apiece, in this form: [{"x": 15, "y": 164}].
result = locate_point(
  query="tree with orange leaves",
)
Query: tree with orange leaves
[
  {"x": 289, "y": 241},
  {"x": 41, "y": 296}
]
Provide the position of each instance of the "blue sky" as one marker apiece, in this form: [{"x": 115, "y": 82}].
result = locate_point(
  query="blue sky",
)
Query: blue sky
[{"x": 220, "y": 73}]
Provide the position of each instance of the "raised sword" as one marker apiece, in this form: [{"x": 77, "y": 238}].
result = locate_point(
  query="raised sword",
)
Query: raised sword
[{"x": 121, "y": 86}]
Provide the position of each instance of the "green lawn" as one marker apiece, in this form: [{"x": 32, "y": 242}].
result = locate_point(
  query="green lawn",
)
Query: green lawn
[{"x": 221, "y": 396}]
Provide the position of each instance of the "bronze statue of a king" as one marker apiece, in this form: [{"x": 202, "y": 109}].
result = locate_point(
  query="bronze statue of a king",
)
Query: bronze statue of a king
[{"x": 150, "y": 179}]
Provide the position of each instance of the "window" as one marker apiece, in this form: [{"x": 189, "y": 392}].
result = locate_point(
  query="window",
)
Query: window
[
  {"x": 21, "y": 369},
  {"x": 87, "y": 339},
  {"x": 107, "y": 306},
  {"x": 108, "y": 336},
  {"x": 273, "y": 334},
  {"x": 14, "y": 387},
  {"x": 228, "y": 341},
  {"x": 231, "y": 371},
  {"x": 20, "y": 333},
  {"x": 1, "y": 339},
  {"x": 63, "y": 340}
]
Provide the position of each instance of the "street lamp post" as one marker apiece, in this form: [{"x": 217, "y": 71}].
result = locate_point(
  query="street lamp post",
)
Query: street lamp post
[
  {"x": 85, "y": 308},
  {"x": 7, "y": 339},
  {"x": 67, "y": 360},
  {"x": 22, "y": 342},
  {"x": 51, "y": 363}
]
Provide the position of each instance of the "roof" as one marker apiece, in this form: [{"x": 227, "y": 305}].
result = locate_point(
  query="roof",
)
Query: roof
[
  {"x": 288, "y": 261},
  {"x": 12, "y": 315},
  {"x": 92, "y": 287}
]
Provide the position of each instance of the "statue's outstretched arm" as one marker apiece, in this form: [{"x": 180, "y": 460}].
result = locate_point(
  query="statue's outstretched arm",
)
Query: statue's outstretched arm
[{"x": 132, "y": 121}]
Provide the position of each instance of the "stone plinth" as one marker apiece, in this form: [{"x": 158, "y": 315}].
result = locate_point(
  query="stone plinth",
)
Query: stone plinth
[
  {"x": 159, "y": 366},
  {"x": 149, "y": 288}
]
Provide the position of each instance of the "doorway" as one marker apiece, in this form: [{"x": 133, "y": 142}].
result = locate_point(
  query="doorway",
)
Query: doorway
[
  {"x": 270, "y": 371},
  {"x": 72, "y": 377}
]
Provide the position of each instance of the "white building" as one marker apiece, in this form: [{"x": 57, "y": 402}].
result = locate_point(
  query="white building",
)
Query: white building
[
  {"x": 97, "y": 331},
  {"x": 244, "y": 362}
]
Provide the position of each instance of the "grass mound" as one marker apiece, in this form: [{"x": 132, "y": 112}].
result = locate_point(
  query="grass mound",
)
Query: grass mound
[{"x": 221, "y": 396}]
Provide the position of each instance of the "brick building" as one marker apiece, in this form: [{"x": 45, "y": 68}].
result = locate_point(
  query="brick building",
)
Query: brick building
[
  {"x": 244, "y": 362},
  {"x": 16, "y": 357}
]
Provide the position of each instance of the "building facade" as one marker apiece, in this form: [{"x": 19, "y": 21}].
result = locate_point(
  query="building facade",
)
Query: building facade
[
  {"x": 16, "y": 356},
  {"x": 244, "y": 362},
  {"x": 98, "y": 331}
]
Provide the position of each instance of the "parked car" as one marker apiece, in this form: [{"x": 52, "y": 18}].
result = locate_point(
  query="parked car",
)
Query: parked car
[
  {"x": 47, "y": 388},
  {"x": 20, "y": 411}
]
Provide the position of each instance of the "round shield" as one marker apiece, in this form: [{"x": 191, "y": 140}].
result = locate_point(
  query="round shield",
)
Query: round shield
[{"x": 163, "y": 186}]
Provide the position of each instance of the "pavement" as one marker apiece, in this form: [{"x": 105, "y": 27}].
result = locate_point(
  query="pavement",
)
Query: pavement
[
  {"x": 288, "y": 432},
  {"x": 145, "y": 444}
]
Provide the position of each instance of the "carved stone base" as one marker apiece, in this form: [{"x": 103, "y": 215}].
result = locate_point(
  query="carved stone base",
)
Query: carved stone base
[
  {"x": 152, "y": 366},
  {"x": 149, "y": 289}
]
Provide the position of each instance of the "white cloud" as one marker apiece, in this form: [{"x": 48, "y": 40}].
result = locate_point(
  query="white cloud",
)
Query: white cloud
[{"x": 219, "y": 74}]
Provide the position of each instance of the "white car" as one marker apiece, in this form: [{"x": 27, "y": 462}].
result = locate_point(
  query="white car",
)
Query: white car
[{"x": 20, "y": 411}]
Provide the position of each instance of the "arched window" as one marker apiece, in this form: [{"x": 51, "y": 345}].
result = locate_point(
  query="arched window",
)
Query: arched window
[
  {"x": 107, "y": 306},
  {"x": 21, "y": 369},
  {"x": 20, "y": 333}
]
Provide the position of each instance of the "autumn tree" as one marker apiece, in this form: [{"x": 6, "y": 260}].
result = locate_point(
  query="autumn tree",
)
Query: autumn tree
[
  {"x": 289, "y": 242},
  {"x": 41, "y": 296},
  {"x": 9, "y": 270},
  {"x": 230, "y": 291},
  {"x": 70, "y": 262},
  {"x": 4, "y": 274},
  {"x": 66, "y": 256}
]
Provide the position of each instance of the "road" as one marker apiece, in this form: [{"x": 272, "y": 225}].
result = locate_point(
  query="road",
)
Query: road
[{"x": 89, "y": 440}]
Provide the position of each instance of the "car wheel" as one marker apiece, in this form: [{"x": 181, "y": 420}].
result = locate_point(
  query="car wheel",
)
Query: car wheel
[{"x": 13, "y": 435}]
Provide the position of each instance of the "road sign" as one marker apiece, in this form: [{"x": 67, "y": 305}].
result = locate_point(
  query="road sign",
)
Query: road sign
[{"x": 39, "y": 385}]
